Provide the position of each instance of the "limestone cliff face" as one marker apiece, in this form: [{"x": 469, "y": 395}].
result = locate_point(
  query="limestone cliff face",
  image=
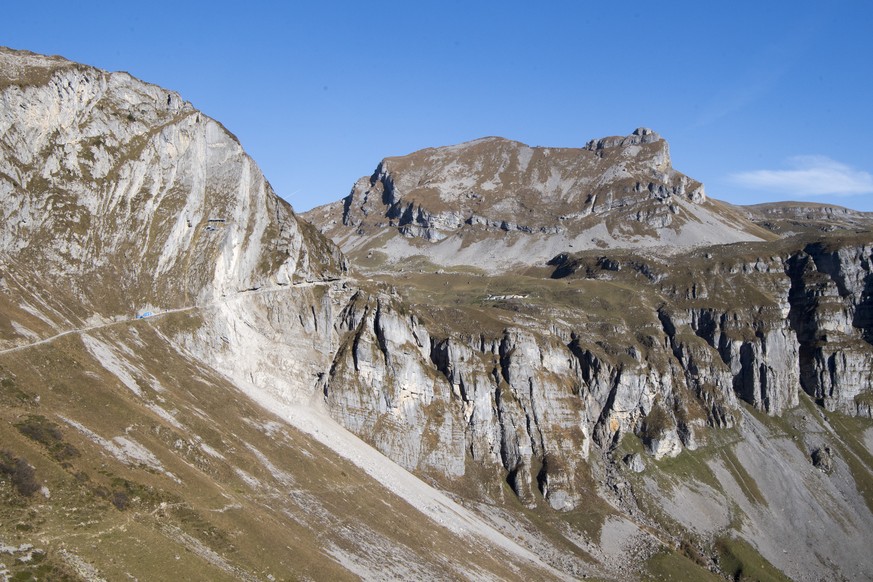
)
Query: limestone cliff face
[
  {"x": 382, "y": 386},
  {"x": 123, "y": 196},
  {"x": 832, "y": 312},
  {"x": 787, "y": 218},
  {"x": 120, "y": 198},
  {"x": 530, "y": 402},
  {"x": 147, "y": 202},
  {"x": 510, "y": 404},
  {"x": 524, "y": 404}
]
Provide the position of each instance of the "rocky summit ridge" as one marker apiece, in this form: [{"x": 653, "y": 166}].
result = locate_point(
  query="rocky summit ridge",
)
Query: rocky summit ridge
[
  {"x": 495, "y": 203},
  {"x": 529, "y": 363}
]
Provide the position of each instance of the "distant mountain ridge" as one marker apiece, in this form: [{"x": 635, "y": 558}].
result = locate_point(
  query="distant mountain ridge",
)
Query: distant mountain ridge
[
  {"x": 786, "y": 218},
  {"x": 614, "y": 192}
]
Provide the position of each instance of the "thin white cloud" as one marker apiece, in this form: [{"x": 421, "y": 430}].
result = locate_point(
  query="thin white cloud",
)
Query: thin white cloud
[
  {"x": 735, "y": 98},
  {"x": 810, "y": 176}
]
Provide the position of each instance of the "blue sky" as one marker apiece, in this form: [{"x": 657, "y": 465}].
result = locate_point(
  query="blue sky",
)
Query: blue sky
[{"x": 761, "y": 101}]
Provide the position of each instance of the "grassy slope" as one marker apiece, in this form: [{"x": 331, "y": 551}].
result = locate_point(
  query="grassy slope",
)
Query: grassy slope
[{"x": 254, "y": 497}]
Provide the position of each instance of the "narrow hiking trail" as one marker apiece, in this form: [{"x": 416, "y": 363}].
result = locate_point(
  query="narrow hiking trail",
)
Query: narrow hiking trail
[{"x": 158, "y": 314}]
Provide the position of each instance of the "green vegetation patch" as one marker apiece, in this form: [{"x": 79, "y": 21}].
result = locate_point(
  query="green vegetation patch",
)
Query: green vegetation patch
[
  {"x": 674, "y": 566},
  {"x": 125, "y": 491},
  {"x": 747, "y": 484},
  {"x": 657, "y": 422},
  {"x": 864, "y": 399},
  {"x": 11, "y": 394},
  {"x": 739, "y": 560},
  {"x": 36, "y": 564},
  {"x": 694, "y": 465}
]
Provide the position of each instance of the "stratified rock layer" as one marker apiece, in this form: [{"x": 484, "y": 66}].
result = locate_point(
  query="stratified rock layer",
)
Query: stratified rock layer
[
  {"x": 122, "y": 195},
  {"x": 495, "y": 203},
  {"x": 756, "y": 323}
]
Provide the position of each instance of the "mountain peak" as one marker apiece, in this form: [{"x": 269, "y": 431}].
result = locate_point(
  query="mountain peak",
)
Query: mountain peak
[
  {"x": 617, "y": 191},
  {"x": 641, "y": 135},
  {"x": 25, "y": 68}
]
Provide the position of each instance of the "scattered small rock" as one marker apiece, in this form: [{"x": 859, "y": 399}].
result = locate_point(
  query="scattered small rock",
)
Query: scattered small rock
[
  {"x": 634, "y": 462},
  {"x": 823, "y": 458}
]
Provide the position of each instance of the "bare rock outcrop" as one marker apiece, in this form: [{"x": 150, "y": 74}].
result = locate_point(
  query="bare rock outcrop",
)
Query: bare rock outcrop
[
  {"x": 832, "y": 312},
  {"x": 138, "y": 192},
  {"x": 570, "y": 392},
  {"x": 443, "y": 203},
  {"x": 530, "y": 403}
]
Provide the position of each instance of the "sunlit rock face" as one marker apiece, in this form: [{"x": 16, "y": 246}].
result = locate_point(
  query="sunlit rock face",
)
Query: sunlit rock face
[
  {"x": 494, "y": 203},
  {"x": 123, "y": 185}
]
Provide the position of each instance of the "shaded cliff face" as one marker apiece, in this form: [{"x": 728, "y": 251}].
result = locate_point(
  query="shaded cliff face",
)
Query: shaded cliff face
[
  {"x": 495, "y": 203},
  {"x": 832, "y": 313}
]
